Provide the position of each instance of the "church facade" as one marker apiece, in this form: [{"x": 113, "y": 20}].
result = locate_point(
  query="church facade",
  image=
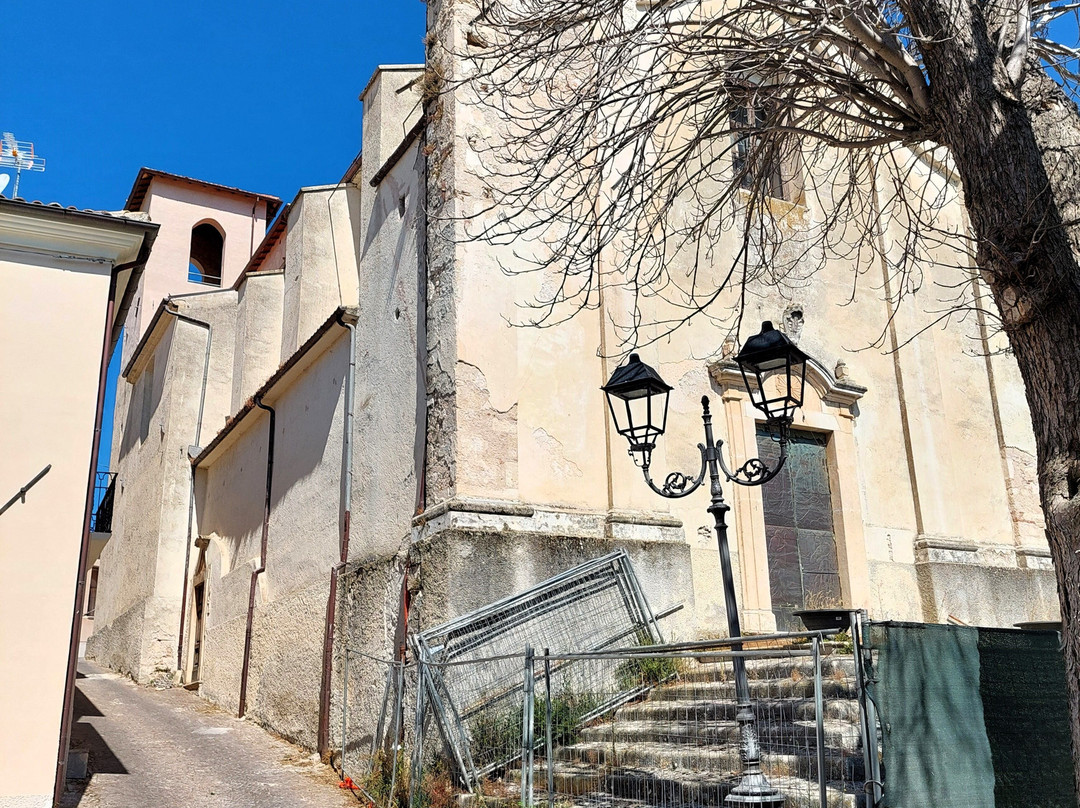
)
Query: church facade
[{"x": 348, "y": 404}]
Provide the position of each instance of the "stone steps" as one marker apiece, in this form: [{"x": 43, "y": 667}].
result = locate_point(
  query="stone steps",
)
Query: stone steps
[
  {"x": 840, "y": 764},
  {"x": 678, "y": 746},
  {"x": 760, "y": 689},
  {"x": 832, "y": 666},
  {"x": 725, "y": 710},
  {"x": 580, "y": 785},
  {"x": 773, "y": 735}
]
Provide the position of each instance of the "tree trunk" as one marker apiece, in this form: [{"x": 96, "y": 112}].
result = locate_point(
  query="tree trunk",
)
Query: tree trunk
[{"x": 1017, "y": 151}]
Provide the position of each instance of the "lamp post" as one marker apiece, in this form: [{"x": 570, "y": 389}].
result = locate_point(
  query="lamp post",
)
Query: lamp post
[{"x": 774, "y": 371}]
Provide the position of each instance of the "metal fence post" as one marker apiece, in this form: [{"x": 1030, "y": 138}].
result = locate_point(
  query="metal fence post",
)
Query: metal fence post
[
  {"x": 547, "y": 731},
  {"x": 345, "y": 714},
  {"x": 867, "y": 713},
  {"x": 399, "y": 707},
  {"x": 527, "y": 740},
  {"x": 418, "y": 741},
  {"x": 819, "y": 711}
]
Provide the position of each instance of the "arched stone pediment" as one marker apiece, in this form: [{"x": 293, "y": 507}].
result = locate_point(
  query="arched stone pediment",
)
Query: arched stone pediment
[{"x": 828, "y": 388}]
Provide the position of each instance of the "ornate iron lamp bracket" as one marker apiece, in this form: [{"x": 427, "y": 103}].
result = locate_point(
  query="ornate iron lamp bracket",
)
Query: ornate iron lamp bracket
[
  {"x": 753, "y": 472},
  {"x": 678, "y": 485}
]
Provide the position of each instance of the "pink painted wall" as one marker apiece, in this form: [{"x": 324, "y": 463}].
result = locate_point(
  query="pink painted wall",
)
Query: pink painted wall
[{"x": 178, "y": 207}]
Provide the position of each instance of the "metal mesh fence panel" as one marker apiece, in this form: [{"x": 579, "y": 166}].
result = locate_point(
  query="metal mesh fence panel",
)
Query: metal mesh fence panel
[
  {"x": 377, "y": 727},
  {"x": 473, "y": 684},
  {"x": 657, "y": 726}
]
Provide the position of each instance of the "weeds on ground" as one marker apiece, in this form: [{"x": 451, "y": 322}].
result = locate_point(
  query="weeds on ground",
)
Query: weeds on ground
[
  {"x": 436, "y": 788},
  {"x": 568, "y": 712},
  {"x": 645, "y": 670},
  {"x": 386, "y": 784},
  {"x": 497, "y": 734}
]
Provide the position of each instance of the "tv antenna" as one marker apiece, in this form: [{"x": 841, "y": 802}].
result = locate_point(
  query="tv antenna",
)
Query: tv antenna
[{"x": 19, "y": 154}]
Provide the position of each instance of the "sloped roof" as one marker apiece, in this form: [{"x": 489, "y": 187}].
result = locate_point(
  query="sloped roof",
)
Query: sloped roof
[
  {"x": 127, "y": 215},
  {"x": 146, "y": 175}
]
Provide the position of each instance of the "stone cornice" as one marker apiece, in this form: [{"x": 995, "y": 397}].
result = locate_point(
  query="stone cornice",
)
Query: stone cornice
[{"x": 831, "y": 390}]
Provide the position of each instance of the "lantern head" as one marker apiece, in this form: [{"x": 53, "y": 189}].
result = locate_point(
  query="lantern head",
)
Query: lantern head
[
  {"x": 774, "y": 370},
  {"x": 638, "y": 399}
]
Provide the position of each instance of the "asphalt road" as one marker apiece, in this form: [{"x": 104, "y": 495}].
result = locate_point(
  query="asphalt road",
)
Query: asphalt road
[{"x": 171, "y": 749}]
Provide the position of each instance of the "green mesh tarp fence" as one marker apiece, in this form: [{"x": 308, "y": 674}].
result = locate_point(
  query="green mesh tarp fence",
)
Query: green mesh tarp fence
[{"x": 972, "y": 717}]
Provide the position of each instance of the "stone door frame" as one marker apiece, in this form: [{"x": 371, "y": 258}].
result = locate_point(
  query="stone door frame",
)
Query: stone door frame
[{"x": 829, "y": 406}]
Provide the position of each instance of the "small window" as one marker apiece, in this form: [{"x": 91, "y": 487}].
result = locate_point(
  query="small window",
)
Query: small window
[
  {"x": 207, "y": 250},
  {"x": 773, "y": 164}
]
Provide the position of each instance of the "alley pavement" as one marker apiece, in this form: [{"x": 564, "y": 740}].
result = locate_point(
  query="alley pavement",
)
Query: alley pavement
[{"x": 172, "y": 749}]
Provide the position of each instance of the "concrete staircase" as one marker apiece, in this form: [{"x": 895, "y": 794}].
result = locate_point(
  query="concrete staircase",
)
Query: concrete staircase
[{"x": 678, "y": 747}]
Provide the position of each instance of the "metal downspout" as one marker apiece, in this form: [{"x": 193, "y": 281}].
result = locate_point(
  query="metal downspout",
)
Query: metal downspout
[
  {"x": 331, "y": 600},
  {"x": 262, "y": 554},
  {"x": 191, "y": 493},
  {"x": 84, "y": 550}
]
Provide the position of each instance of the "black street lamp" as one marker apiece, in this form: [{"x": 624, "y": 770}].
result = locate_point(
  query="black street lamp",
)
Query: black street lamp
[{"x": 774, "y": 370}]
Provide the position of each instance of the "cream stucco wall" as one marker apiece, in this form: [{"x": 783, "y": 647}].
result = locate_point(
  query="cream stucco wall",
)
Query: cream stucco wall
[
  {"x": 932, "y": 469},
  {"x": 45, "y": 422},
  {"x": 52, "y": 321}
]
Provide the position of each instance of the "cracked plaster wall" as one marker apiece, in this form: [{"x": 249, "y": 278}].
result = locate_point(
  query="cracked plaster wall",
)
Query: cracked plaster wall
[
  {"x": 141, "y": 576},
  {"x": 939, "y": 445},
  {"x": 302, "y": 546}
]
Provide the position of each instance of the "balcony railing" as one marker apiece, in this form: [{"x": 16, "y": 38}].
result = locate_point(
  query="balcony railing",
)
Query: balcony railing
[{"x": 104, "y": 487}]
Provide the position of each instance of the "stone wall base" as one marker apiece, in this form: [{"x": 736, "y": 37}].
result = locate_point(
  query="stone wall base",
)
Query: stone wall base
[
  {"x": 982, "y": 595},
  {"x": 140, "y": 643},
  {"x": 460, "y": 569}
]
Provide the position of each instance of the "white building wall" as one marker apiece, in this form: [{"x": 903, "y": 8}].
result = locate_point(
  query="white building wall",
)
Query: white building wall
[
  {"x": 320, "y": 260},
  {"x": 258, "y": 333},
  {"x": 302, "y": 547},
  {"x": 142, "y": 569}
]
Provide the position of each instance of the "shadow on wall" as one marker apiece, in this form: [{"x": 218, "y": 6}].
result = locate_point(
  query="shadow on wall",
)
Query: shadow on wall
[
  {"x": 306, "y": 415},
  {"x": 145, "y": 396}
]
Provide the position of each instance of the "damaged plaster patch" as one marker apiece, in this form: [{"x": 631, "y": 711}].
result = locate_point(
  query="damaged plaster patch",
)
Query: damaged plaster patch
[
  {"x": 487, "y": 436},
  {"x": 553, "y": 449},
  {"x": 1023, "y": 484}
]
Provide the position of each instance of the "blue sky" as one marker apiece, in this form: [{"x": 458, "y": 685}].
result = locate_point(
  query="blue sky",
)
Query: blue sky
[{"x": 262, "y": 96}]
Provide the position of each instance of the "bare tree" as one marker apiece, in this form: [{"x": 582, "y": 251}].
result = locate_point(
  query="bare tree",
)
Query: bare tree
[{"x": 649, "y": 129}]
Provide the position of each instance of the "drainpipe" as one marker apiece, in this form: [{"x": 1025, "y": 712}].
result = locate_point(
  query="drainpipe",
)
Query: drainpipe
[
  {"x": 84, "y": 548},
  {"x": 254, "y": 207},
  {"x": 346, "y": 508},
  {"x": 191, "y": 493},
  {"x": 262, "y": 555}
]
